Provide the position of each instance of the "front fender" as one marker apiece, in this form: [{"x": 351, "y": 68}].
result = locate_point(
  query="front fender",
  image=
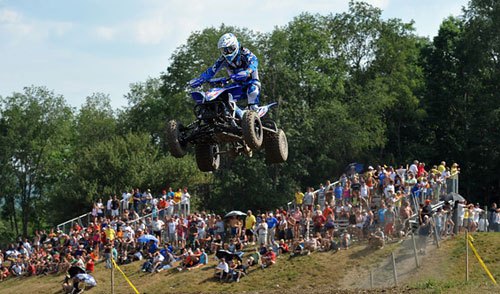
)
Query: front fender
[{"x": 198, "y": 97}]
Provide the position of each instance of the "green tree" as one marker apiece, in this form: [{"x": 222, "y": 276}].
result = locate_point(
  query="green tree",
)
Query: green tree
[{"x": 37, "y": 126}]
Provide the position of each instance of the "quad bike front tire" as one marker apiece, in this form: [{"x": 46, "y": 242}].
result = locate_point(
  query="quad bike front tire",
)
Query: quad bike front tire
[
  {"x": 176, "y": 147},
  {"x": 251, "y": 127},
  {"x": 207, "y": 157},
  {"x": 276, "y": 146}
]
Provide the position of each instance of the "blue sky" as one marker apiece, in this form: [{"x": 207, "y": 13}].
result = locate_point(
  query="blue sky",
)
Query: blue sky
[{"x": 77, "y": 48}]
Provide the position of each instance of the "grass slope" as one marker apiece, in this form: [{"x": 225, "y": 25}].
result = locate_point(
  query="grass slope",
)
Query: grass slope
[{"x": 444, "y": 271}]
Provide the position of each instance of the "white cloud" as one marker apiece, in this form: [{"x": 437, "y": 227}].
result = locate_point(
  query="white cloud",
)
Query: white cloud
[
  {"x": 106, "y": 33},
  {"x": 9, "y": 16},
  {"x": 11, "y": 23},
  {"x": 152, "y": 30},
  {"x": 19, "y": 28}
]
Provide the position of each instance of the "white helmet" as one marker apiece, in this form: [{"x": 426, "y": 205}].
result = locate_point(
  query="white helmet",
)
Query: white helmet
[{"x": 229, "y": 46}]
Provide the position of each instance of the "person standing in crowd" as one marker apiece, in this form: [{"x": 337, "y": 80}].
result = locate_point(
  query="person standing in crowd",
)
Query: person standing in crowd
[
  {"x": 424, "y": 232},
  {"x": 321, "y": 196},
  {"x": 115, "y": 207},
  {"x": 299, "y": 198},
  {"x": 108, "y": 206},
  {"x": 272, "y": 224},
  {"x": 309, "y": 199},
  {"x": 262, "y": 231},
  {"x": 137, "y": 200},
  {"x": 158, "y": 226},
  {"x": 494, "y": 218},
  {"x": 185, "y": 201},
  {"x": 250, "y": 223},
  {"x": 389, "y": 219},
  {"x": 178, "y": 199}
]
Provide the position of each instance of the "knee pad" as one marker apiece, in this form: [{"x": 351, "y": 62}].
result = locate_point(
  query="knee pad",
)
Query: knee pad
[{"x": 253, "y": 94}]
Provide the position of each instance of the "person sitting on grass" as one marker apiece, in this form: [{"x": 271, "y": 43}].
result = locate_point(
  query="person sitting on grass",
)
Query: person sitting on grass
[
  {"x": 313, "y": 243},
  {"x": 283, "y": 247},
  {"x": 237, "y": 270},
  {"x": 169, "y": 260},
  {"x": 221, "y": 270},
  {"x": 377, "y": 239},
  {"x": 202, "y": 259},
  {"x": 254, "y": 258},
  {"x": 299, "y": 248},
  {"x": 4, "y": 272},
  {"x": 269, "y": 258},
  {"x": 325, "y": 242},
  {"x": 157, "y": 261},
  {"x": 345, "y": 240}
]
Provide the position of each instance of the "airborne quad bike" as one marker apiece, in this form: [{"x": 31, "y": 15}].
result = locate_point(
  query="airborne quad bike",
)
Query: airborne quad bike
[{"x": 219, "y": 123}]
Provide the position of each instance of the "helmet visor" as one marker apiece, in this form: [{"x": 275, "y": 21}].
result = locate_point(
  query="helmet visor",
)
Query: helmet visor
[{"x": 227, "y": 50}]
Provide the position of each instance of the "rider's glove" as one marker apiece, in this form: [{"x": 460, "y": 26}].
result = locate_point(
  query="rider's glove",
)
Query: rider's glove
[
  {"x": 239, "y": 77},
  {"x": 196, "y": 82}
]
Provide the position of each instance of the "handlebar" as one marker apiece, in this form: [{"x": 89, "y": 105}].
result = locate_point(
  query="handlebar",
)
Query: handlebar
[{"x": 221, "y": 80}]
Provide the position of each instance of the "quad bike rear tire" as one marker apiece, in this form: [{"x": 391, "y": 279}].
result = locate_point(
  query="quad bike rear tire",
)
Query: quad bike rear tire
[
  {"x": 207, "y": 157},
  {"x": 251, "y": 127},
  {"x": 176, "y": 147},
  {"x": 276, "y": 146}
]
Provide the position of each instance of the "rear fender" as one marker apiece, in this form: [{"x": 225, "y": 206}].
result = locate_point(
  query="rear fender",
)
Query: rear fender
[{"x": 263, "y": 110}]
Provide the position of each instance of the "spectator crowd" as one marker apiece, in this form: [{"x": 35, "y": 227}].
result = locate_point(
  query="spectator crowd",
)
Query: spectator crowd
[{"x": 375, "y": 205}]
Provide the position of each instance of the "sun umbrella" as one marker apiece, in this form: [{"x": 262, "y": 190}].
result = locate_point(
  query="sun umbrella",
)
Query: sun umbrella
[
  {"x": 452, "y": 196},
  {"x": 227, "y": 255},
  {"x": 235, "y": 213},
  {"x": 87, "y": 279},
  {"x": 356, "y": 167},
  {"x": 146, "y": 238},
  {"x": 75, "y": 270}
]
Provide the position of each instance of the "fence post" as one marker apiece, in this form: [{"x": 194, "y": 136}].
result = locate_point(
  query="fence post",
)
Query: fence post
[
  {"x": 436, "y": 237},
  {"x": 415, "y": 249},
  {"x": 466, "y": 256},
  {"x": 112, "y": 277},
  {"x": 394, "y": 269},
  {"x": 371, "y": 279}
]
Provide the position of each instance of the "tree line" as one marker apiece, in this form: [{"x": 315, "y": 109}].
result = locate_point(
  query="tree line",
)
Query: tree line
[{"x": 351, "y": 87}]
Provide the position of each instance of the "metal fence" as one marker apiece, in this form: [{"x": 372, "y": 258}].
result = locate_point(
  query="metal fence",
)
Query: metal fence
[{"x": 85, "y": 219}]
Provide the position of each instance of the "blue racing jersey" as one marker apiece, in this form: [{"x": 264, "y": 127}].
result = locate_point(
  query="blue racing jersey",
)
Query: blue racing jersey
[{"x": 244, "y": 61}]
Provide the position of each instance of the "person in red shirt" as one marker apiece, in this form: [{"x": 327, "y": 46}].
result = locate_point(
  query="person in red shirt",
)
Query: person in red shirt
[
  {"x": 283, "y": 247},
  {"x": 269, "y": 258},
  {"x": 89, "y": 267},
  {"x": 319, "y": 221},
  {"x": 421, "y": 170},
  {"x": 327, "y": 211}
]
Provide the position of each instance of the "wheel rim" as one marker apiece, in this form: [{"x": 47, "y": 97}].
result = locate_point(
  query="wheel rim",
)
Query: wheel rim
[
  {"x": 215, "y": 155},
  {"x": 257, "y": 127}
]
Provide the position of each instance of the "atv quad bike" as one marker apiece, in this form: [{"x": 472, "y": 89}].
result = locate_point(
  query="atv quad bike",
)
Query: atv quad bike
[{"x": 221, "y": 123}]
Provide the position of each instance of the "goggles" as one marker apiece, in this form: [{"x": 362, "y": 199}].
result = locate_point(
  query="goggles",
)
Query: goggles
[{"x": 227, "y": 50}]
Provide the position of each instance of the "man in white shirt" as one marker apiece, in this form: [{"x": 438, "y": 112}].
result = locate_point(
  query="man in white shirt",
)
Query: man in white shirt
[
  {"x": 172, "y": 230},
  {"x": 157, "y": 260},
  {"x": 157, "y": 225},
  {"x": 414, "y": 167},
  {"x": 185, "y": 201},
  {"x": 108, "y": 206},
  {"x": 222, "y": 269},
  {"x": 125, "y": 199}
]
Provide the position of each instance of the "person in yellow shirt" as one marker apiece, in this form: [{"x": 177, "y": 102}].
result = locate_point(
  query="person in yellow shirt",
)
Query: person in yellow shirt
[
  {"x": 110, "y": 234},
  {"x": 454, "y": 169},
  {"x": 299, "y": 198},
  {"x": 442, "y": 167},
  {"x": 178, "y": 196},
  {"x": 250, "y": 222}
]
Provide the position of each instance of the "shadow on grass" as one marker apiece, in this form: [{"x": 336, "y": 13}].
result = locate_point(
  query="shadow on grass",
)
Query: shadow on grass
[{"x": 363, "y": 252}]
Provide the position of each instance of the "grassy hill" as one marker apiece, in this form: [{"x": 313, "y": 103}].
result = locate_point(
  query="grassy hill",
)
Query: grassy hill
[{"x": 442, "y": 270}]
